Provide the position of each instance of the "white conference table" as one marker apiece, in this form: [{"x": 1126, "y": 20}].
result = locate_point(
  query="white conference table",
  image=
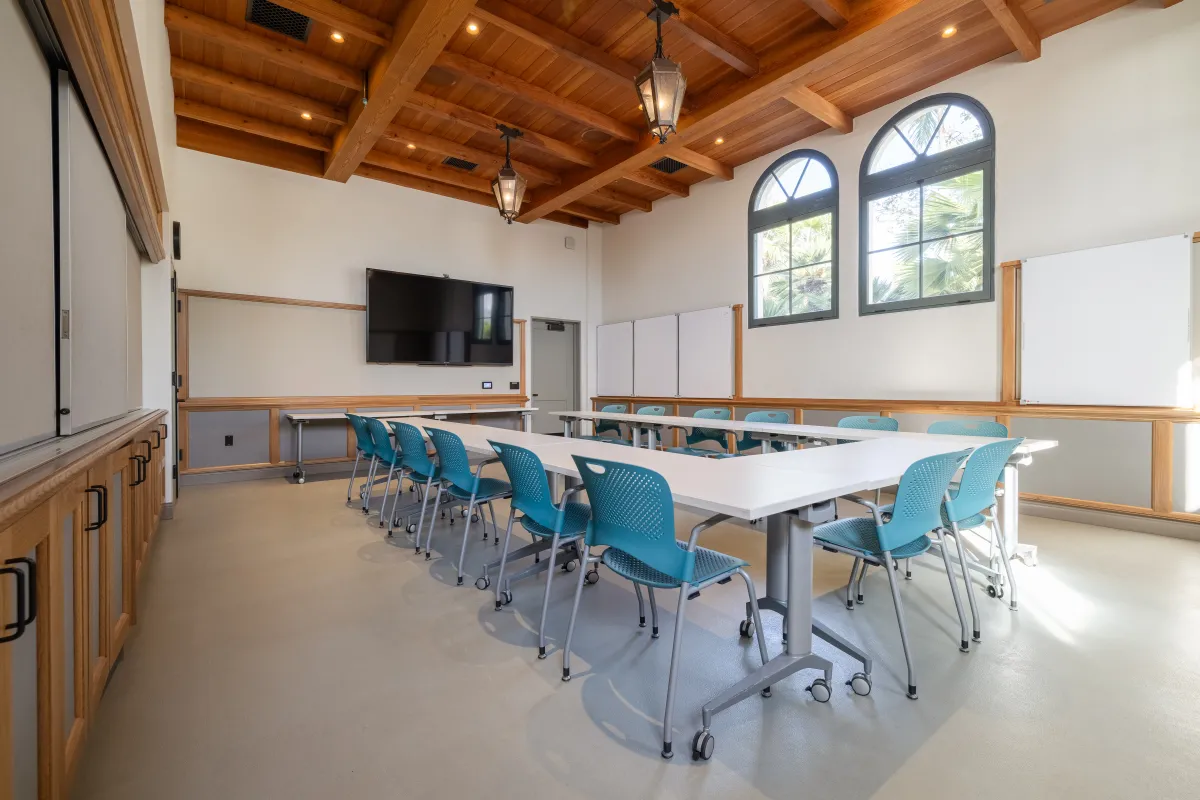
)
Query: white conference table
[
  {"x": 793, "y": 490},
  {"x": 302, "y": 418}
]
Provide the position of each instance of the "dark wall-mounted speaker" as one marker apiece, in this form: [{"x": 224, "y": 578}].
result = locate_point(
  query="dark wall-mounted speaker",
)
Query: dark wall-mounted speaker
[{"x": 175, "y": 239}]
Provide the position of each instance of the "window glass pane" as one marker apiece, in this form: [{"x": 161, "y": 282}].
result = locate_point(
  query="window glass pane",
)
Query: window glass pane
[
  {"x": 772, "y": 295},
  {"x": 790, "y": 173},
  {"x": 919, "y": 126},
  {"x": 769, "y": 195},
  {"x": 771, "y": 250},
  {"x": 893, "y": 274},
  {"x": 812, "y": 240},
  {"x": 894, "y": 219},
  {"x": 816, "y": 179},
  {"x": 812, "y": 288},
  {"x": 953, "y": 206},
  {"x": 892, "y": 151},
  {"x": 953, "y": 266},
  {"x": 960, "y": 127}
]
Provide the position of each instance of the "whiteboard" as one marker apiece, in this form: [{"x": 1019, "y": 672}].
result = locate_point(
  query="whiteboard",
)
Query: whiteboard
[
  {"x": 614, "y": 359},
  {"x": 706, "y": 353},
  {"x": 656, "y": 356},
  {"x": 1108, "y": 326}
]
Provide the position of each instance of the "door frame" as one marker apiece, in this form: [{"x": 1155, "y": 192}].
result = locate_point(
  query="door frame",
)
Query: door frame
[{"x": 577, "y": 349}]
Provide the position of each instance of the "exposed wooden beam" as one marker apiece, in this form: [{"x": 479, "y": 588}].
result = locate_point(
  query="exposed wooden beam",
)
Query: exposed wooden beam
[
  {"x": 193, "y": 135},
  {"x": 707, "y": 37},
  {"x": 593, "y": 214},
  {"x": 620, "y": 198},
  {"x": 253, "y": 90},
  {"x": 410, "y": 166},
  {"x": 812, "y": 103},
  {"x": 342, "y": 19},
  {"x": 483, "y": 123},
  {"x": 447, "y": 147},
  {"x": 875, "y": 22},
  {"x": 656, "y": 180},
  {"x": 1017, "y": 27},
  {"x": 247, "y": 124},
  {"x": 510, "y": 84},
  {"x": 704, "y": 163},
  {"x": 835, "y": 12},
  {"x": 420, "y": 33},
  {"x": 533, "y": 29},
  {"x": 1169, "y": 3},
  {"x": 277, "y": 52}
]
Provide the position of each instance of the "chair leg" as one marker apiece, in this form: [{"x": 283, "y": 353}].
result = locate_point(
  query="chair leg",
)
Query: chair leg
[
  {"x": 495, "y": 528},
  {"x": 566, "y": 675},
  {"x": 462, "y": 552},
  {"x": 396, "y": 500},
  {"x": 546, "y": 597},
  {"x": 762, "y": 639},
  {"x": 944, "y": 547},
  {"x": 891, "y": 573},
  {"x": 353, "y": 475},
  {"x": 998, "y": 536},
  {"x": 676, "y": 648},
  {"x": 387, "y": 488},
  {"x": 850, "y": 584},
  {"x": 421, "y": 520},
  {"x": 512, "y": 517},
  {"x": 437, "y": 498},
  {"x": 966, "y": 573},
  {"x": 907, "y": 569},
  {"x": 862, "y": 574},
  {"x": 637, "y": 589},
  {"x": 653, "y": 613},
  {"x": 369, "y": 485}
]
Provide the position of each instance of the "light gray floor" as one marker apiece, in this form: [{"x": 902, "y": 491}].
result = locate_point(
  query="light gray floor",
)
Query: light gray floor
[{"x": 285, "y": 650}]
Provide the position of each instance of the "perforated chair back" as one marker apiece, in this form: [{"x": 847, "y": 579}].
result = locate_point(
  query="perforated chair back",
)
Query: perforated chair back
[
  {"x": 699, "y": 435},
  {"x": 918, "y": 506},
  {"x": 452, "y": 459},
  {"x": 953, "y": 427},
  {"x": 632, "y": 510},
  {"x": 976, "y": 490},
  {"x": 381, "y": 440},
  {"x": 362, "y": 435},
  {"x": 867, "y": 423},
  {"x": 413, "y": 455},
  {"x": 530, "y": 487},
  {"x": 603, "y": 425},
  {"x": 747, "y": 442},
  {"x": 652, "y": 411}
]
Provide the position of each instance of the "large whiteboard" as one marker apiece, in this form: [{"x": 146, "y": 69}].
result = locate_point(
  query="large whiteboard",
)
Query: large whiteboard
[
  {"x": 614, "y": 359},
  {"x": 1108, "y": 326},
  {"x": 706, "y": 353},
  {"x": 656, "y": 356}
]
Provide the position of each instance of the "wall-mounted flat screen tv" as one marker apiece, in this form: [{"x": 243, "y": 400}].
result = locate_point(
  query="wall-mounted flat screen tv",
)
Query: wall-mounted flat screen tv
[{"x": 420, "y": 319}]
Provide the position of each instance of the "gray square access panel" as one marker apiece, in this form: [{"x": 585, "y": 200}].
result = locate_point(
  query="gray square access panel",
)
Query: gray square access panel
[{"x": 251, "y": 432}]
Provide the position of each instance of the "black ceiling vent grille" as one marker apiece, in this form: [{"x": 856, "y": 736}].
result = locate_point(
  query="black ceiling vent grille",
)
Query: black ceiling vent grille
[
  {"x": 667, "y": 165},
  {"x": 460, "y": 163},
  {"x": 279, "y": 19}
]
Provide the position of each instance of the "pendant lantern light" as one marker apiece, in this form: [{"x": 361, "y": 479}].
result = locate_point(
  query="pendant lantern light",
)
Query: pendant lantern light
[
  {"x": 660, "y": 85},
  {"x": 508, "y": 185}
]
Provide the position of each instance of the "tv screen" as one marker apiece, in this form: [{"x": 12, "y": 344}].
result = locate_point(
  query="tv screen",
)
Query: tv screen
[{"x": 420, "y": 319}]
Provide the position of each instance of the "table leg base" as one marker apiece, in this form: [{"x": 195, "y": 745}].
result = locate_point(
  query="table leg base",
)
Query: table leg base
[
  {"x": 777, "y": 669},
  {"x": 1027, "y": 554},
  {"x": 819, "y": 629}
]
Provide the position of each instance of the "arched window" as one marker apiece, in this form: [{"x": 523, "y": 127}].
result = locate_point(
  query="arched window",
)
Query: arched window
[
  {"x": 926, "y": 194},
  {"x": 793, "y": 241}
]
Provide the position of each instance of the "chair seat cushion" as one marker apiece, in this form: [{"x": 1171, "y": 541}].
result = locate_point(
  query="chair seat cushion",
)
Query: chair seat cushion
[
  {"x": 574, "y": 522},
  {"x": 421, "y": 477},
  {"x": 858, "y": 534},
  {"x": 702, "y": 452},
  {"x": 489, "y": 489},
  {"x": 709, "y": 564}
]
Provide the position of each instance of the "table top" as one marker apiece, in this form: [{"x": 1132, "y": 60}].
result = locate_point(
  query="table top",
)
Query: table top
[
  {"x": 792, "y": 430},
  {"x": 436, "y": 413}
]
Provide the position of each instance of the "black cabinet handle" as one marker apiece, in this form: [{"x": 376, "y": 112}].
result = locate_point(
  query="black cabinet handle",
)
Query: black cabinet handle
[
  {"x": 148, "y": 448},
  {"x": 26, "y": 601},
  {"x": 139, "y": 466},
  {"x": 101, "y": 492},
  {"x": 157, "y": 438}
]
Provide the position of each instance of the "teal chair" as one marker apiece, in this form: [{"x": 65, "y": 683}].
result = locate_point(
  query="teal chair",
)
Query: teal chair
[
  {"x": 747, "y": 443},
  {"x": 363, "y": 448},
  {"x": 916, "y": 513},
  {"x": 385, "y": 455},
  {"x": 416, "y": 465},
  {"x": 699, "y": 436},
  {"x": 603, "y": 426},
  {"x": 951, "y": 427},
  {"x": 633, "y": 515},
  {"x": 459, "y": 483},
  {"x": 650, "y": 411},
  {"x": 552, "y": 527},
  {"x": 867, "y": 423}
]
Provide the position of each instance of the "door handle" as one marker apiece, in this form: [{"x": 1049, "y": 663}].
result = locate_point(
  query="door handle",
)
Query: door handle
[{"x": 26, "y": 611}]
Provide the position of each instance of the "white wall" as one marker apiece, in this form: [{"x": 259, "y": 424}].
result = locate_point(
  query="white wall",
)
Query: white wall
[{"x": 1096, "y": 144}]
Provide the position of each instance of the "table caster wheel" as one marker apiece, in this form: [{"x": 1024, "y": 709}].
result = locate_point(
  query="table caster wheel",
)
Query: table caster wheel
[
  {"x": 860, "y": 684},
  {"x": 462, "y": 512},
  {"x": 592, "y": 576},
  {"x": 569, "y": 566},
  {"x": 819, "y": 689},
  {"x": 482, "y": 583},
  {"x": 300, "y": 479},
  {"x": 1000, "y": 592},
  {"x": 991, "y": 590},
  {"x": 746, "y": 629},
  {"x": 506, "y": 598},
  {"x": 411, "y": 527},
  {"x": 703, "y": 745}
]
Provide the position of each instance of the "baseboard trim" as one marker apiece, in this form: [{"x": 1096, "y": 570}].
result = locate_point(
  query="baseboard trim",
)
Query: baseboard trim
[
  {"x": 168, "y": 511},
  {"x": 264, "y": 473},
  {"x": 1108, "y": 519}
]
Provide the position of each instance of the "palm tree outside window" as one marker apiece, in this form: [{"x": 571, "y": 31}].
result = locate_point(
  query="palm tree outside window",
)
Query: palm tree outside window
[
  {"x": 793, "y": 241},
  {"x": 926, "y": 221}
]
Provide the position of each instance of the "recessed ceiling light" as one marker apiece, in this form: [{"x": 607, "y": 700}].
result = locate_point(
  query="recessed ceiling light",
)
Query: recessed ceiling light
[
  {"x": 719, "y": 140},
  {"x": 949, "y": 31},
  {"x": 472, "y": 27},
  {"x": 337, "y": 37},
  {"x": 305, "y": 115},
  {"x": 411, "y": 146}
]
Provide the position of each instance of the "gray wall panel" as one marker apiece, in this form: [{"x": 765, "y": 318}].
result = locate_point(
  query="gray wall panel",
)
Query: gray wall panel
[
  {"x": 919, "y": 423},
  {"x": 1185, "y": 494},
  {"x": 321, "y": 439},
  {"x": 814, "y": 416},
  {"x": 206, "y": 438},
  {"x": 1095, "y": 460}
]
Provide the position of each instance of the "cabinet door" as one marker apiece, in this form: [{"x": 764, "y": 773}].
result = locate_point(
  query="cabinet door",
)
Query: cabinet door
[
  {"x": 95, "y": 589},
  {"x": 67, "y": 613},
  {"x": 118, "y": 560}
]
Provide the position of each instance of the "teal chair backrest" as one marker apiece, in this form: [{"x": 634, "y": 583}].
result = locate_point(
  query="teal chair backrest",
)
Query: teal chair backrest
[
  {"x": 413, "y": 455},
  {"x": 867, "y": 423},
  {"x": 699, "y": 435},
  {"x": 918, "y": 506},
  {"x": 976, "y": 490},
  {"x": 381, "y": 440},
  {"x": 362, "y": 436},
  {"x": 607, "y": 424},
  {"x": 530, "y": 487},
  {"x": 652, "y": 411},
  {"x": 632, "y": 510},
  {"x": 953, "y": 427},
  {"x": 452, "y": 459},
  {"x": 747, "y": 442}
]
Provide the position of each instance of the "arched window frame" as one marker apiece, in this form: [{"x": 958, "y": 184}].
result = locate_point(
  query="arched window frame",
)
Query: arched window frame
[
  {"x": 825, "y": 201},
  {"x": 976, "y": 156}
]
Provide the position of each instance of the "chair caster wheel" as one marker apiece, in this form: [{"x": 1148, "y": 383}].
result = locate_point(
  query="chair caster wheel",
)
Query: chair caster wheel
[
  {"x": 482, "y": 583},
  {"x": 592, "y": 576},
  {"x": 860, "y": 684},
  {"x": 703, "y": 745},
  {"x": 569, "y": 566},
  {"x": 992, "y": 591},
  {"x": 746, "y": 629},
  {"x": 819, "y": 689},
  {"x": 475, "y": 518},
  {"x": 462, "y": 512},
  {"x": 410, "y": 527},
  {"x": 506, "y": 598}
]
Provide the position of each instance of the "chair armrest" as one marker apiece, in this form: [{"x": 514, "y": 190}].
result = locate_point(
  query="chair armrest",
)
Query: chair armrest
[
  {"x": 482, "y": 464},
  {"x": 853, "y": 498},
  {"x": 703, "y": 526}
]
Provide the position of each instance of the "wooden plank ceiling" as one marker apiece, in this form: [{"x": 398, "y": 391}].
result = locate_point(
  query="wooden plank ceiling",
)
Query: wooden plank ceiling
[{"x": 415, "y": 82}]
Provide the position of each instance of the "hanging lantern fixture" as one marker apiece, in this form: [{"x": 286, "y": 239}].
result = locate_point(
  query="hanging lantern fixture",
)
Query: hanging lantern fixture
[
  {"x": 660, "y": 85},
  {"x": 508, "y": 185}
]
